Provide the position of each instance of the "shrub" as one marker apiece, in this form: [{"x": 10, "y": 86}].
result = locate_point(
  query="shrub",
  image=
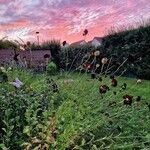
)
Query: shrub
[
  {"x": 133, "y": 45},
  {"x": 51, "y": 68},
  {"x": 72, "y": 56},
  {"x": 5, "y": 44}
]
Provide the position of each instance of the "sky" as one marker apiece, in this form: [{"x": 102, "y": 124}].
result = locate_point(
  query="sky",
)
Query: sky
[{"x": 66, "y": 20}]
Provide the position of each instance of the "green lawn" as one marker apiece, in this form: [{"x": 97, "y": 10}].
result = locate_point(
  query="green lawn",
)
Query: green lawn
[{"x": 76, "y": 117}]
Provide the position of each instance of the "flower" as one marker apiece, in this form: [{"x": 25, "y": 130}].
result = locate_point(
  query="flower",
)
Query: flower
[
  {"x": 96, "y": 53},
  {"x": 28, "y": 43},
  {"x": 87, "y": 66},
  {"x": 17, "y": 83},
  {"x": 97, "y": 65},
  {"x": 104, "y": 60},
  {"x": 127, "y": 99},
  {"x": 139, "y": 81},
  {"x": 85, "y": 32},
  {"x": 103, "y": 89},
  {"x": 114, "y": 82}
]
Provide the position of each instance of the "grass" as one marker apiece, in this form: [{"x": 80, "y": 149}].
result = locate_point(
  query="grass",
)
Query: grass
[{"x": 79, "y": 116}]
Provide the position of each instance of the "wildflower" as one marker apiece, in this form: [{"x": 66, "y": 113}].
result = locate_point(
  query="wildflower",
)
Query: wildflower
[
  {"x": 28, "y": 43},
  {"x": 127, "y": 99},
  {"x": 87, "y": 66},
  {"x": 103, "y": 89},
  {"x": 85, "y": 32},
  {"x": 104, "y": 60},
  {"x": 96, "y": 53},
  {"x": 64, "y": 43},
  {"x": 114, "y": 82},
  {"x": 17, "y": 83},
  {"x": 97, "y": 65},
  {"x": 139, "y": 81}
]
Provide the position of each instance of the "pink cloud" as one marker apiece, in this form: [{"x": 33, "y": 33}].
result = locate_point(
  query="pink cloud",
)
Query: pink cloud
[{"x": 66, "y": 19}]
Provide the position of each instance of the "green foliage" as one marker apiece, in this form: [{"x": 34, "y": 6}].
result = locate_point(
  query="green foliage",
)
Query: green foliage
[
  {"x": 51, "y": 68},
  {"x": 72, "y": 56},
  {"x": 75, "y": 117},
  {"x": 133, "y": 43},
  {"x": 55, "y": 48},
  {"x": 3, "y": 75},
  {"x": 6, "y": 44}
]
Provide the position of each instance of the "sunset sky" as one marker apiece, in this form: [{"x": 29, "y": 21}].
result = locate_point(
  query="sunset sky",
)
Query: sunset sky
[{"x": 66, "y": 19}]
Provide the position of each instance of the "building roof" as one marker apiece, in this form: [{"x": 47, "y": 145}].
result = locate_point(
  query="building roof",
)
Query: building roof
[
  {"x": 78, "y": 43},
  {"x": 98, "y": 38}
]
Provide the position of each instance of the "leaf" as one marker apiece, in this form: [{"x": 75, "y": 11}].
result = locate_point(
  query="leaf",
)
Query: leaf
[
  {"x": 83, "y": 142},
  {"x": 2, "y": 146},
  {"x": 5, "y": 122},
  {"x": 4, "y": 130},
  {"x": 94, "y": 147},
  {"x": 26, "y": 130},
  {"x": 148, "y": 137}
]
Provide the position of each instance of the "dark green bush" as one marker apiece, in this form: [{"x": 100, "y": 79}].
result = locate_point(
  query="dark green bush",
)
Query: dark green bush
[
  {"x": 51, "y": 68},
  {"x": 133, "y": 45}
]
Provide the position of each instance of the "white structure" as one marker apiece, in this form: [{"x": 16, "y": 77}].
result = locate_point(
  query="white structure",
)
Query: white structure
[
  {"x": 97, "y": 41},
  {"x": 82, "y": 42}
]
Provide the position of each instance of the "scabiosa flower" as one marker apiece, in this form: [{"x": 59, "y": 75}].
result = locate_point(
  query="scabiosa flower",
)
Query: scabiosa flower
[
  {"x": 127, "y": 99},
  {"x": 87, "y": 66},
  {"x": 96, "y": 53},
  {"x": 114, "y": 82},
  {"x": 28, "y": 43},
  {"x": 85, "y": 32},
  {"x": 97, "y": 65},
  {"x": 103, "y": 89},
  {"x": 104, "y": 60}
]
